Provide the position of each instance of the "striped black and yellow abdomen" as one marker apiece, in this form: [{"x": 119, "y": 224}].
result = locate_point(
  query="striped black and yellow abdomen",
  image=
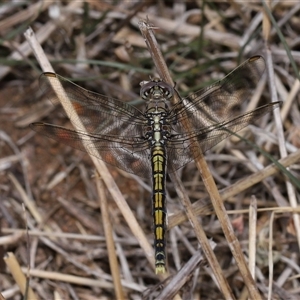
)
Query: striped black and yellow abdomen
[{"x": 158, "y": 160}]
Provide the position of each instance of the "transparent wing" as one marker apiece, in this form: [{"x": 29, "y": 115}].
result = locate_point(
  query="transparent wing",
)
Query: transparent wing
[
  {"x": 220, "y": 101},
  {"x": 114, "y": 128},
  {"x": 183, "y": 148},
  {"x": 212, "y": 113},
  {"x": 127, "y": 153},
  {"x": 97, "y": 112}
]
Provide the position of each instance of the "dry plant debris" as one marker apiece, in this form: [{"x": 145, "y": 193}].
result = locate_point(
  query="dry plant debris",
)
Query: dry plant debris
[{"x": 98, "y": 45}]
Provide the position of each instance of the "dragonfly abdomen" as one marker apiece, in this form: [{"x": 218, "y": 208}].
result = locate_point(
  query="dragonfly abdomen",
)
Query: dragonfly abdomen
[{"x": 158, "y": 160}]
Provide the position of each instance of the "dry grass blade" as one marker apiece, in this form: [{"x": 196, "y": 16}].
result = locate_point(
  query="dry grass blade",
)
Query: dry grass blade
[
  {"x": 182, "y": 277},
  {"x": 15, "y": 270},
  {"x": 271, "y": 261},
  {"x": 108, "y": 229},
  {"x": 203, "y": 209},
  {"x": 203, "y": 240},
  {"x": 278, "y": 122},
  {"x": 30, "y": 13},
  {"x": 24, "y": 49},
  {"x": 252, "y": 235},
  {"x": 28, "y": 202}
]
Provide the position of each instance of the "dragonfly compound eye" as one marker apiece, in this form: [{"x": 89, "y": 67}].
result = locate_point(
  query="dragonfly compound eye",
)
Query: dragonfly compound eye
[{"x": 155, "y": 89}]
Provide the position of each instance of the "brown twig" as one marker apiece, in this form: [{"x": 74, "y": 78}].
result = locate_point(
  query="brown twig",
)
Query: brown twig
[
  {"x": 162, "y": 69},
  {"x": 210, "y": 185}
]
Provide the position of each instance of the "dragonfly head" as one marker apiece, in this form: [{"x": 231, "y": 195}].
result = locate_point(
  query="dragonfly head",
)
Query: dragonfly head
[{"x": 156, "y": 89}]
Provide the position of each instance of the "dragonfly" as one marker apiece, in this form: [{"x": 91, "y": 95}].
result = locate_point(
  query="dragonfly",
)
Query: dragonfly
[{"x": 146, "y": 142}]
